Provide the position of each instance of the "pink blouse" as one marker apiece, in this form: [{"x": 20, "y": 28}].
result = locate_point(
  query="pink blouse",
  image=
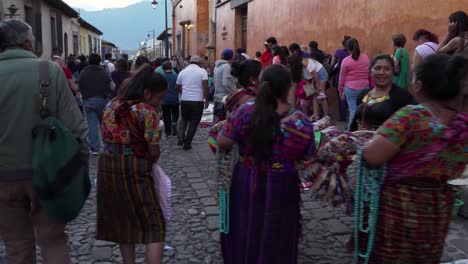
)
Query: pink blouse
[{"x": 354, "y": 74}]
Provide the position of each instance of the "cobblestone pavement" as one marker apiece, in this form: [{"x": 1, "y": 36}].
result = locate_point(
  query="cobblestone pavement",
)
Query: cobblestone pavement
[{"x": 193, "y": 235}]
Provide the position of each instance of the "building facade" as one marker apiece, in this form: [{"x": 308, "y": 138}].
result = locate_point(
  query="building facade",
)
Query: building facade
[
  {"x": 57, "y": 28},
  {"x": 190, "y": 20},
  {"x": 155, "y": 46},
  {"x": 109, "y": 47},
  {"x": 90, "y": 38},
  {"x": 247, "y": 23}
]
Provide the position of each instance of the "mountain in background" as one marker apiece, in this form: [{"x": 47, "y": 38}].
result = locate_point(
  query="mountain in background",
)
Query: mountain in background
[{"x": 126, "y": 27}]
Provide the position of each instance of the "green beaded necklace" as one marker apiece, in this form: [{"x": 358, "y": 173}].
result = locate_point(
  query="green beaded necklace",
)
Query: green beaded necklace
[
  {"x": 366, "y": 196},
  {"x": 224, "y": 171}
]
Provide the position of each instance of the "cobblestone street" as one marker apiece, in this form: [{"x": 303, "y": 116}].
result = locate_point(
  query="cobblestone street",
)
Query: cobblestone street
[{"x": 192, "y": 234}]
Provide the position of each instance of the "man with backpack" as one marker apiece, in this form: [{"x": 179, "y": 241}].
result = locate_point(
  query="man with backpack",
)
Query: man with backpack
[
  {"x": 23, "y": 218},
  {"x": 107, "y": 63}
]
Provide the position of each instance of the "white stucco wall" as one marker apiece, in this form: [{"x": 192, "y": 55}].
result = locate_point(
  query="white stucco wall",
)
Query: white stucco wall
[{"x": 47, "y": 12}]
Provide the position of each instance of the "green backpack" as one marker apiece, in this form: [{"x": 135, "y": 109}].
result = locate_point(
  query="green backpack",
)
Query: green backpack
[{"x": 61, "y": 178}]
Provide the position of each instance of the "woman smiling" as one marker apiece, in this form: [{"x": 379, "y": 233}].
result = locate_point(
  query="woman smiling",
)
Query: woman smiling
[{"x": 378, "y": 104}]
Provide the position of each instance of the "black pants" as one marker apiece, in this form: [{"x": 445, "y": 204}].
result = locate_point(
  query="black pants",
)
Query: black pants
[
  {"x": 191, "y": 114},
  {"x": 170, "y": 117}
]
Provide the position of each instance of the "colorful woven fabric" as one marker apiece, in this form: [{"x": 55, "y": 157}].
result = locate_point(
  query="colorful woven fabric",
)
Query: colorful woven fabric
[
  {"x": 416, "y": 203},
  {"x": 128, "y": 209},
  {"x": 238, "y": 98},
  {"x": 327, "y": 171},
  {"x": 413, "y": 222},
  {"x": 264, "y": 200},
  {"x": 213, "y": 134},
  {"x": 428, "y": 150},
  {"x": 128, "y": 127}
]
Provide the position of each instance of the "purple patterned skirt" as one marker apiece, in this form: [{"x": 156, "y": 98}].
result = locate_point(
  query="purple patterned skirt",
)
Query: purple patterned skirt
[{"x": 264, "y": 216}]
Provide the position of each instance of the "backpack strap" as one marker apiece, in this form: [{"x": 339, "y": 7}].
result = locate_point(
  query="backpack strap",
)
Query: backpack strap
[{"x": 44, "y": 84}]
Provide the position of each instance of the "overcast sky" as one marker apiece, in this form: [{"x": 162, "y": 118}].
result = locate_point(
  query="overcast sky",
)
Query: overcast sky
[{"x": 93, "y": 5}]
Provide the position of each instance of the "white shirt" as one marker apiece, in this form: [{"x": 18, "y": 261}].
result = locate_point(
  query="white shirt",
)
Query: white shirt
[
  {"x": 312, "y": 65},
  {"x": 191, "y": 79},
  {"x": 427, "y": 49},
  {"x": 110, "y": 66}
]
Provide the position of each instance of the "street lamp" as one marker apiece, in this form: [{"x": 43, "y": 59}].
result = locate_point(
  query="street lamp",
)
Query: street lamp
[
  {"x": 154, "y": 44},
  {"x": 154, "y": 3},
  {"x": 12, "y": 9}
]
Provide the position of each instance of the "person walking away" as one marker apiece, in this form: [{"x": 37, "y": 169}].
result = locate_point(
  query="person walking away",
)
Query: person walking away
[
  {"x": 82, "y": 64},
  {"x": 337, "y": 59},
  {"x": 296, "y": 68},
  {"x": 120, "y": 74},
  {"x": 423, "y": 148},
  {"x": 264, "y": 217},
  {"x": 71, "y": 65},
  {"x": 238, "y": 56},
  {"x": 223, "y": 83},
  {"x": 175, "y": 64},
  {"x": 95, "y": 85},
  {"x": 316, "y": 53},
  {"x": 426, "y": 44},
  {"x": 128, "y": 208},
  {"x": 192, "y": 83},
  {"x": 258, "y": 55},
  {"x": 267, "y": 55},
  {"x": 160, "y": 68},
  {"x": 354, "y": 77},
  {"x": 248, "y": 74},
  {"x": 282, "y": 56},
  {"x": 401, "y": 58},
  {"x": 170, "y": 102},
  {"x": 71, "y": 83},
  {"x": 456, "y": 40},
  {"x": 107, "y": 63},
  {"x": 315, "y": 73},
  {"x": 23, "y": 223},
  {"x": 140, "y": 60}
]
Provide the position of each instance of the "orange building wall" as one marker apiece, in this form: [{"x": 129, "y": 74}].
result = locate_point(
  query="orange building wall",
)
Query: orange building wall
[
  {"x": 197, "y": 12},
  {"x": 372, "y": 22},
  {"x": 225, "y": 28},
  {"x": 203, "y": 23}
]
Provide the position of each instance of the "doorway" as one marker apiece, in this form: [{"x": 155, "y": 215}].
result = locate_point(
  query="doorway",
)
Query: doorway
[
  {"x": 241, "y": 22},
  {"x": 65, "y": 44}
]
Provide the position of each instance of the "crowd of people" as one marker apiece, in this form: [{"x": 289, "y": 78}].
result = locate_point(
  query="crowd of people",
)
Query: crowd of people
[{"x": 268, "y": 112}]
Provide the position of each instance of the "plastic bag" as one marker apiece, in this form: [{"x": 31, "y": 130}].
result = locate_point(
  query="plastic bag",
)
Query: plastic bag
[{"x": 162, "y": 184}]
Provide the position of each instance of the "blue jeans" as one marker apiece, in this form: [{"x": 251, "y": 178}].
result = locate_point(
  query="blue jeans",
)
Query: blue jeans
[
  {"x": 341, "y": 103},
  {"x": 94, "y": 109},
  {"x": 351, "y": 99}
]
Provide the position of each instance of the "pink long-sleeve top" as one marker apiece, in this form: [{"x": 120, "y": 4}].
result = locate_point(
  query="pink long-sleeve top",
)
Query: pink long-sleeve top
[{"x": 354, "y": 74}]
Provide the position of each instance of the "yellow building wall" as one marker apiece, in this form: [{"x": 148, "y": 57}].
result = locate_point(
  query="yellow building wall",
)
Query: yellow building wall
[{"x": 84, "y": 44}]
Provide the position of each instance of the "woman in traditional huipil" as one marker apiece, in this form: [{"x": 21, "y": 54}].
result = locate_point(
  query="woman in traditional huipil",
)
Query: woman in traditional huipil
[
  {"x": 265, "y": 217},
  {"x": 374, "y": 106},
  {"x": 128, "y": 208},
  {"x": 377, "y": 104},
  {"x": 423, "y": 148}
]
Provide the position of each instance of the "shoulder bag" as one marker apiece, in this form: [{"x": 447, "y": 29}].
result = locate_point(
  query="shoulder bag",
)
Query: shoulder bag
[{"x": 61, "y": 177}]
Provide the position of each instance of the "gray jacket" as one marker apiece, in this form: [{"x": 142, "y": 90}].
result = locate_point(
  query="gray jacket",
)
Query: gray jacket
[
  {"x": 20, "y": 107},
  {"x": 224, "y": 83},
  {"x": 94, "y": 81}
]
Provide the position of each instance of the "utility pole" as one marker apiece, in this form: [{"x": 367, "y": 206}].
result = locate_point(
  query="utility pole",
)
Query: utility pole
[
  {"x": 167, "y": 33},
  {"x": 154, "y": 3},
  {"x": 154, "y": 46}
]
